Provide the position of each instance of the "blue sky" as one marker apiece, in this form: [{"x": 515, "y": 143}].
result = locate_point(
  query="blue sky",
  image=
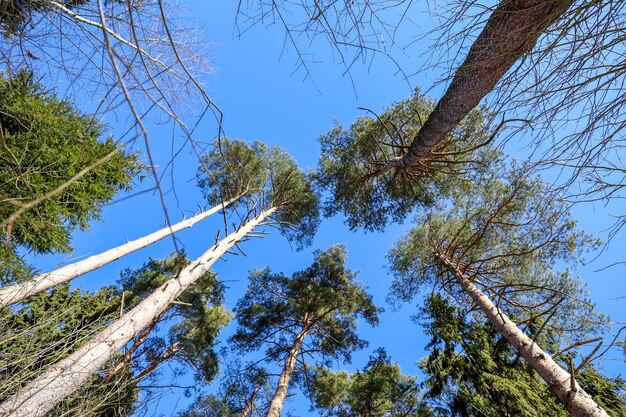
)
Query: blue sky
[{"x": 264, "y": 96}]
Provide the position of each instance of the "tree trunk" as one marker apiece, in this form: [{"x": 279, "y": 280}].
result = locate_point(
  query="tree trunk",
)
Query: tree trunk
[
  {"x": 250, "y": 405},
  {"x": 283, "y": 382},
  {"x": 61, "y": 380},
  {"x": 15, "y": 293},
  {"x": 141, "y": 338},
  {"x": 561, "y": 383},
  {"x": 511, "y": 31}
]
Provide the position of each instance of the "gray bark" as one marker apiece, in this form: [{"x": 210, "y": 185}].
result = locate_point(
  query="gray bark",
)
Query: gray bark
[
  {"x": 16, "y": 293},
  {"x": 511, "y": 31},
  {"x": 561, "y": 383},
  {"x": 62, "y": 379}
]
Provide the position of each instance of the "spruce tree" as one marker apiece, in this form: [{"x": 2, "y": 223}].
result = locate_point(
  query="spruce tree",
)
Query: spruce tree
[
  {"x": 56, "y": 172},
  {"x": 473, "y": 371}
]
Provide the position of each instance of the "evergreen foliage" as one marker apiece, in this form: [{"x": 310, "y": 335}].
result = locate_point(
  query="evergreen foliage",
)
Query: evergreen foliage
[
  {"x": 15, "y": 15},
  {"x": 506, "y": 232},
  {"x": 473, "y": 371},
  {"x": 269, "y": 177},
  {"x": 199, "y": 317},
  {"x": 379, "y": 390},
  {"x": 352, "y": 159},
  {"x": 44, "y": 143},
  {"x": 244, "y": 390},
  {"x": 48, "y": 327},
  {"x": 324, "y": 298}
]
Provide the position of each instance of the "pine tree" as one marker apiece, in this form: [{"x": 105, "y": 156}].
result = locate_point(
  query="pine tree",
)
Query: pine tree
[
  {"x": 379, "y": 390},
  {"x": 350, "y": 158},
  {"x": 494, "y": 247},
  {"x": 279, "y": 194},
  {"x": 51, "y": 325},
  {"x": 315, "y": 312},
  {"x": 244, "y": 391},
  {"x": 12, "y": 294}
]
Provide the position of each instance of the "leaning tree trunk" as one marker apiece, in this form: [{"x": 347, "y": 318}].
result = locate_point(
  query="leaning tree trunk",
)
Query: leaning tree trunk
[
  {"x": 561, "y": 383},
  {"x": 511, "y": 31},
  {"x": 15, "y": 293},
  {"x": 62, "y": 379},
  {"x": 251, "y": 403},
  {"x": 283, "y": 382}
]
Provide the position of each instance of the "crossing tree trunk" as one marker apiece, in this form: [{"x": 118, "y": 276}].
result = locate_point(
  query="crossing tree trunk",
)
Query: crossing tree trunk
[
  {"x": 62, "y": 379},
  {"x": 561, "y": 383},
  {"x": 15, "y": 293}
]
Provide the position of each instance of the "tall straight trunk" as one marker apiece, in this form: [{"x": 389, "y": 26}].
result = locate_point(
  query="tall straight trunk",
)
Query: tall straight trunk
[
  {"x": 511, "y": 31},
  {"x": 62, "y": 379},
  {"x": 561, "y": 383},
  {"x": 15, "y": 293},
  {"x": 283, "y": 382}
]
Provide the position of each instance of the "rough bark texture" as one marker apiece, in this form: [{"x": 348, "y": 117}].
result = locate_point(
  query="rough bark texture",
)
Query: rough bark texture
[
  {"x": 62, "y": 379},
  {"x": 511, "y": 31},
  {"x": 283, "y": 382},
  {"x": 576, "y": 400},
  {"x": 15, "y": 293}
]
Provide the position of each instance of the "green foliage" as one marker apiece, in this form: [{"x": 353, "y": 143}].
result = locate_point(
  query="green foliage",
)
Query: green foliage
[
  {"x": 270, "y": 178},
  {"x": 379, "y": 390},
  {"x": 200, "y": 316},
  {"x": 507, "y": 232},
  {"x": 242, "y": 388},
  {"x": 351, "y": 162},
  {"x": 473, "y": 371},
  {"x": 47, "y": 328},
  {"x": 44, "y": 142},
  {"x": 324, "y": 298},
  {"x": 50, "y": 325}
]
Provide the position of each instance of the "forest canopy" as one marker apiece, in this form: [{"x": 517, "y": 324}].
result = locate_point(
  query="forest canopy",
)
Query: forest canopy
[{"x": 421, "y": 218}]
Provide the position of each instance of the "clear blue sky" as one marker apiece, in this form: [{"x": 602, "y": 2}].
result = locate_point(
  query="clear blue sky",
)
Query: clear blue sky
[{"x": 263, "y": 96}]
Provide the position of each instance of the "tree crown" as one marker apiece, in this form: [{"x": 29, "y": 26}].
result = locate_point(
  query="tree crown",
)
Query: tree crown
[{"x": 269, "y": 177}]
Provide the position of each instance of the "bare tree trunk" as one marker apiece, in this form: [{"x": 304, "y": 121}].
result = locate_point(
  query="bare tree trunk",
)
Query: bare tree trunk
[
  {"x": 511, "y": 31},
  {"x": 283, "y": 382},
  {"x": 250, "y": 406},
  {"x": 15, "y": 293},
  {"x": 561, "y": 383},
  {"x": 62, "y": 379},
  {"x": 141, "y": 338}
]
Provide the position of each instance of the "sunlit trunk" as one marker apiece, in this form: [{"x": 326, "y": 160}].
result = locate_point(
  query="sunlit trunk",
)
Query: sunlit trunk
[
  {"x": 566, "y": 388},
  {"x": 15, "y": 293},
  {"x": 511, "y": 31},
  {"x": 285, "y": 376},
  {"x": 62, "y": 379}
]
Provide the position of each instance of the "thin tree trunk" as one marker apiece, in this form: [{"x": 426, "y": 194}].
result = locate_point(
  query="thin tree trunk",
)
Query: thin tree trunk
[
  {"x": 511, "y": 31},
  {"x": 561, "y": 383},
  {"x": 62, "y": 379},
  {"x": 172, "y": 350},
  {"x": 283, "y": 382},
  {"x": 15, "y": 293},
  {"x": 250, "y": 405}
]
